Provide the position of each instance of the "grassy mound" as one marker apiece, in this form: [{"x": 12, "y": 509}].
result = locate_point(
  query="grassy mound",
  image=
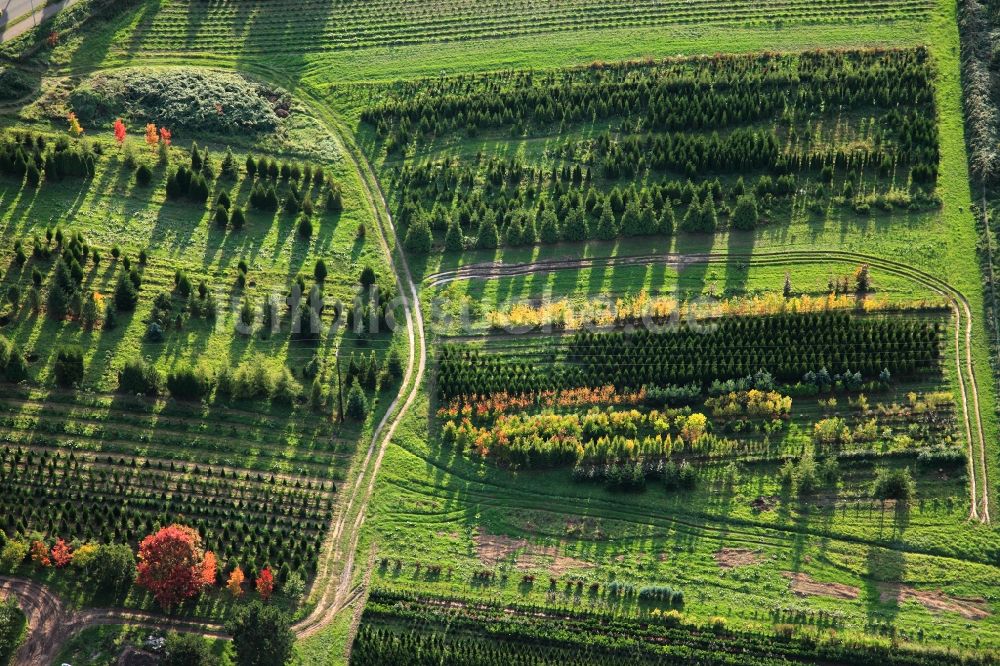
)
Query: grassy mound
[{"x": 207, "y": 101}]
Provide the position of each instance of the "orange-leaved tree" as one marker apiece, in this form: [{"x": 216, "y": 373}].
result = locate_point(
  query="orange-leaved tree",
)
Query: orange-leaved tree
[
  {"x": 152, "y": 136},
  {"x": 61, "y": 554},
  {"x": 75, "y": 128},
  {"x": 265, "y": 583},
  {"x": 235, "y": 583},
  {"x": 173, "y": 565},
  {"x": 40, "y": 554}
]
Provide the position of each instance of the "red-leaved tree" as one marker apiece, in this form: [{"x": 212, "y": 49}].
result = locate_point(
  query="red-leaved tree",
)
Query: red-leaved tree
[
  {"x": 119, "y": 131},
  {"x": 173, "y": 565},
  {"x": 265, "y": 583}
]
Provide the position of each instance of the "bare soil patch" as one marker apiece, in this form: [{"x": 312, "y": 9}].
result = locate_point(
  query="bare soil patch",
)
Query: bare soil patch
[
  {"x": 762, "y": 503},
  {"x": 732, "y": 558},
  {"x": 936, "y": 601},
  {"x": 493, "y": 549},
  {"x": 804, "y": 585}
]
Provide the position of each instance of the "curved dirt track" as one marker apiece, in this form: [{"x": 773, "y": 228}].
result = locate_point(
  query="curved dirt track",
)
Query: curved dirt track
[
  {"x": 342, "y": 542},
  {"x": 51, "y": 622},
  {"x": 965, "y": 374}
]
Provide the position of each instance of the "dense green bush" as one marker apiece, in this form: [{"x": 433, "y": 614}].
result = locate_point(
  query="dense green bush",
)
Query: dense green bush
[
  {"x": 896, "y": 484},
  {"x": 262, "y": 635},
  {"x": 143, "y": 175},
  {"x": 138, "y": 376},
  {"x": 418, "y": 237},
  {"x": 113, "y": 567},
  {"x": 258, "y": 378},
  {"x": 14, "y": 84},
  {"x": 126, "y": 292},
  {"x": 187, "y": 650},
  {"x": 12, "y": 625},
  {"x": 188, "y": 383},
  {"x": 745, "y": 214},
  {"x": 180, "y": 99},
  {"x": 357, "y": 404},
  {"x": 12, "y": 363},
  {"x": 69, "y": 365}
]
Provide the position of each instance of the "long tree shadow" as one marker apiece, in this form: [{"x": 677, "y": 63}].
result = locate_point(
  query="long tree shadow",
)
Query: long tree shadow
[
  {"x": 882, "y": 594},
  {"x": 692, "y": 273}
]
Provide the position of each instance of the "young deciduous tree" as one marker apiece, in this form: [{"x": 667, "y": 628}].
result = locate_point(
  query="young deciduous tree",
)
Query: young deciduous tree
[
  {"x": 62, "y": 555},
  {"x": 235, "y": 582},
  {"x": 265, "y": 583},
  {"x": 119, "y": 130},
  {"x": 74, "y": 125},
  {"x": 40, "y": 554}
]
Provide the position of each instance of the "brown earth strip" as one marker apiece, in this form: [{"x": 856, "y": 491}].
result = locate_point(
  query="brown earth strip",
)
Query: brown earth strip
[
  {"x": 803, "y": 585},
  {"x": 732, "y": 558},
  {"x": 936, "y": 601}
]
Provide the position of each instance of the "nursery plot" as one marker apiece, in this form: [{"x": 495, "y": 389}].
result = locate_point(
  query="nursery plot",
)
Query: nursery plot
[
  {"x": 313, "y": 25},
  {"x": 396, "y": 627},
  {"x": 631, "y": 460},
  {"x": 248, "y": 518},
  {"x": 654, "y": 149},
  {"x": 202, "y": 300}
]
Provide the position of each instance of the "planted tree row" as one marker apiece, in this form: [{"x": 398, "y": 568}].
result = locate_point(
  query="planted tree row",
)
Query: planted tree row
[
  {"x": 676, "y": 94},
  {"x": 788, "y": 346},
  {"x": 400, "y": 628},
  {"x": 37, "y": 158}
]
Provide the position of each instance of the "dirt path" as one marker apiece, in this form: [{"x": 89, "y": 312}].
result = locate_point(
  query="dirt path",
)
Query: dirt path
[
  {"x": 51, "y": 622},
  {"x": 342, "y": 544},
  {"x": 965, "y": 373}
]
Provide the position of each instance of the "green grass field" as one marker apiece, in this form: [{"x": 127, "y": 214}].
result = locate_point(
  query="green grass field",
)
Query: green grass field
[{"x": 448, "y": 523}]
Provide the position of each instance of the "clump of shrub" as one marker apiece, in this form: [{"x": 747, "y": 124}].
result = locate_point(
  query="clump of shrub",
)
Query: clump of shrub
[
  {"x": 181, "y": 99},
  {"x": 661, "y": 594},
  {"x": 143, "y": 175},
  {"x": 139, "y": 377},
  {"x": 13, "y": 366},
  {"x": 259, "y": 378},
  {"x": 357, "y": 405},
  {"x": 187, "y": 382},
  {"x": 69, "y": 366},
  {"x": 896, "y": 484}
]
